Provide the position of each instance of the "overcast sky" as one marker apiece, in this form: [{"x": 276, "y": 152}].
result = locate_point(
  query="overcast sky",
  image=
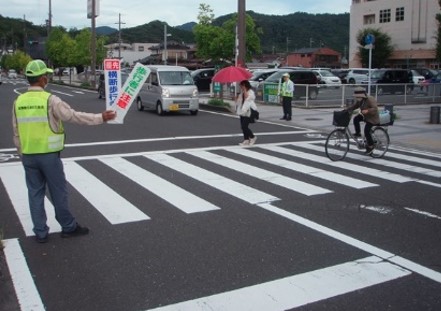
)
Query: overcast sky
[{"x": 72, "y": 13}]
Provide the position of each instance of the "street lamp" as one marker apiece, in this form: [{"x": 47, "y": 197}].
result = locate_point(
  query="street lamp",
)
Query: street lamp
[{"x": 165, "y": 44}]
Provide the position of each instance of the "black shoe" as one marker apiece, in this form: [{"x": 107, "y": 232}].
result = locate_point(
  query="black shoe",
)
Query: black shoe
[
  {"x": 369, "y": 150},
  {"x": 356, "y": 135},
  {"x": 42, "y": 240},
  {"x": 288, "y": 119},
  {"x": 77, "y": 232},
  {"x": 284, "y": 118}
]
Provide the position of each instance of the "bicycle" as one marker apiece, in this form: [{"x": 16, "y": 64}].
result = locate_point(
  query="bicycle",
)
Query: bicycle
[{"x": 337, "y": 142}]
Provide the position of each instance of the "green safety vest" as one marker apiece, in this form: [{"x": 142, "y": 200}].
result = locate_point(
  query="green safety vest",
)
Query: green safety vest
[
  {"x": 285, "y": 92},
  {"x": 36, "y": 134}
]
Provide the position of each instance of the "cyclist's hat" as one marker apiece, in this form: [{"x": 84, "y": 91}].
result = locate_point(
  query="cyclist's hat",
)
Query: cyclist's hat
[
  {"x": 36, "y": 68},
  {"x": 286, "y": 75},
  {"x": 360, "y": 92}
]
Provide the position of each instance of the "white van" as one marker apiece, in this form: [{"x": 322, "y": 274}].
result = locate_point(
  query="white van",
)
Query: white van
[{"x": 168, "y": 88}]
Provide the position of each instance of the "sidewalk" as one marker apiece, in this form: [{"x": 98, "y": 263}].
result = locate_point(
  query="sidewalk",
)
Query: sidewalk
[{"x": 411, "y": 128}]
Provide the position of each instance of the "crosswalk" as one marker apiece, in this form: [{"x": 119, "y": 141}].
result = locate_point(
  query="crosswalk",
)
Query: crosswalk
[
  {"x": 302, "y": 163},
  {"x": 298, "y": 169}
]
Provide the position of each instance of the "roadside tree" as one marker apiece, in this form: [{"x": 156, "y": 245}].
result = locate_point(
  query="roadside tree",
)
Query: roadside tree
[
  {"x": 382, "y": 48},
  {"x": 218, "y": 43}
]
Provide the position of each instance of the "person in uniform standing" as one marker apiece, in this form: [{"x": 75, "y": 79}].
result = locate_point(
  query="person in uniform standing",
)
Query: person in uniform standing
[
  {"x": 37, "y": 121},
  {"x": 287, "y": 94}
]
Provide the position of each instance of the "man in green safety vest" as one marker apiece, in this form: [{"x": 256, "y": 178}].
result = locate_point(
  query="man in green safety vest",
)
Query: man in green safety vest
[
  {"x": 287, "y": 92},
  {"x": 39, "y": 138}
]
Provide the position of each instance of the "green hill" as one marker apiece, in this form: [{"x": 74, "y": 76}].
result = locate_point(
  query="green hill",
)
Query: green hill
[{"x": 279, "y": 33}]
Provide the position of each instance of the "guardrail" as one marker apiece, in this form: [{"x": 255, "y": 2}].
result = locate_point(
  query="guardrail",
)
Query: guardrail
[{"x": 340, "y": 96}]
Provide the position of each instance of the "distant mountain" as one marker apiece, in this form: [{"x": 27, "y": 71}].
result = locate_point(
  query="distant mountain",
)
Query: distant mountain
[
  {"x": 105, "y": 30},
  {"x": 153, "y": 32},
  {"x": 282, "y": 33},
  {"x": 187, "y": 26}
]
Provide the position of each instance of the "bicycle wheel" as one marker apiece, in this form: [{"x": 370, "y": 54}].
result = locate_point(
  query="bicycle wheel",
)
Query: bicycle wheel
[
  {"x": 381, "y": 142},
  {"x": 337, "y": 145}
]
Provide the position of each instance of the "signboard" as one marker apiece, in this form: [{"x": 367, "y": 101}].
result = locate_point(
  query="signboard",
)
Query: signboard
[
  {"x": 271, "y": 93},
  {"x": 112, "y": 81},
  {"x": 130, "y": 90}
]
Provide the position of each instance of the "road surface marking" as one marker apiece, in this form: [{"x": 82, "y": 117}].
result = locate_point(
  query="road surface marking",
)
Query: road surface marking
[
  {"x": 14, "y": 180},
  {"x": 217, "y": 181},
  {"x": 310, "y": 170},
  {"x": 423, "y": 213},
  {"x": 373, "y": 250},
  {"x": 180, "y": 198},
  {"x": 342, "y": 165},
  {"x": 298, "y": 290},
  {"x": 110, "y": 204},
  {"x": 27, "y": 294},
  {"x": 265, "y": 175}
]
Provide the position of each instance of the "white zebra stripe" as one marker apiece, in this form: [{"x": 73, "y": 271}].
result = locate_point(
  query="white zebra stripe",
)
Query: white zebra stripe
[
  {"x": 217, "y": 181},
  {"x": 180, "y": 198},
  {"x": 268, "y": 176},
  {"x": 110, "y": 204},
  {"x": 305, "y": 169}
]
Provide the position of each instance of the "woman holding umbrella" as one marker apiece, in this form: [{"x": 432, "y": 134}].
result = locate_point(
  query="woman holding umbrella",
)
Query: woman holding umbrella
[{"x": 245, "y": 101}]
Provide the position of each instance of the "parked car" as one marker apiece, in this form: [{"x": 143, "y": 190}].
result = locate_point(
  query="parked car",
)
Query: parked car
[
  {"x": 341, "y": 73},
  {"x": 327, "y": 78},
  {"x": 12, "y": 74},
  {"x": 356, "y": 75},
  {"x": 426, "y": 72},
  {"x": 202, "y": 78},
  {"x": 303, "y": 80},
  {"x": 259, "y": 75},
  {"x": 168, "y": 88},
  {"x": 417, "y": 78},
  {"x": 391, "y": 81}
]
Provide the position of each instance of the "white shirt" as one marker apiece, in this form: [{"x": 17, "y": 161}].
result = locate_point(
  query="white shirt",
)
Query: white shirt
[{"x": 244, "y": 109}]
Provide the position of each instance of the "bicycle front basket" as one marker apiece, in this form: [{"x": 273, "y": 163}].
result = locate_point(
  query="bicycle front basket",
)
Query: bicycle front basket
[{"x": 341, "y": 118}]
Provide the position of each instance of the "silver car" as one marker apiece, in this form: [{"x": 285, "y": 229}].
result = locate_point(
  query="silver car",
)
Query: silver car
[{"x": 169, "y": 89}]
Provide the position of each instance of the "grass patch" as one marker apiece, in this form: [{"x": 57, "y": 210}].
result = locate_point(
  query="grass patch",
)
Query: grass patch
[{"x": 218, "y": 102}]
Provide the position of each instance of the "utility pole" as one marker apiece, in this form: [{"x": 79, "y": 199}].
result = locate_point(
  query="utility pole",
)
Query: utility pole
[
  {"x": 93, "y": 45},
  {"x": 165, "y": 56},
  {"x": 119, "y": 35},
  {"x": 25, "y": 35},
  {"x": 241, "y": 33},
  {"x": 49, "y": 24}
]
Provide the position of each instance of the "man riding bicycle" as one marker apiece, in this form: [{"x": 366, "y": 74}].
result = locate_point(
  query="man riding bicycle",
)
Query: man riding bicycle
[{"x": 368, "y": 113}]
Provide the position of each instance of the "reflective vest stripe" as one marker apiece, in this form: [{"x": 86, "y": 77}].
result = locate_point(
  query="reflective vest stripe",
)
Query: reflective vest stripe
[{"x": 32, "y": 119}]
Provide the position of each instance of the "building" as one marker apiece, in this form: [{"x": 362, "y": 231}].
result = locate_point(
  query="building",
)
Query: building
[
  {"x": 314, "y": 58},
  {"x": 130, "y": 53},
  {"x": 411, "y": 24}
]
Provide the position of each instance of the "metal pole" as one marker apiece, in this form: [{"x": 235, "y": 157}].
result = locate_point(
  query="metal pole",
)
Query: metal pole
[
  {"x": 369, "y": 73},
  {"x": 165, "y": 44},
  {"x": 119, "y": 35},
  {"x": 93, "y": 45},
  {"x": 241, "y": 32}
]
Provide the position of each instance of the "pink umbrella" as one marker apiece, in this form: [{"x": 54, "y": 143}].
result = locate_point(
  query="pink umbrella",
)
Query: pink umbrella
[{"x": 231, "y": 74}]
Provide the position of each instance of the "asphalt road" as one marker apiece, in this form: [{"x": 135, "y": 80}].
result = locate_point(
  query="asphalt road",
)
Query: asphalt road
[{"x": 182, "y": 218}]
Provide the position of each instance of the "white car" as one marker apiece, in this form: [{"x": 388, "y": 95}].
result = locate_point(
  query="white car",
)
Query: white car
[
  {"x": 12, "y": 74},
  {"x": 356, "y": 75},
  {"x": 327, "y": 78},
  {"x": 416, "y": 77}
]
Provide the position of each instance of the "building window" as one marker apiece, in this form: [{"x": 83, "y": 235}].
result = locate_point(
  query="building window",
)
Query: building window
[
  {"x": 369, "y": 19},
  {"x": 385, "y": 16},
  {"x": 399, "y": 14}
]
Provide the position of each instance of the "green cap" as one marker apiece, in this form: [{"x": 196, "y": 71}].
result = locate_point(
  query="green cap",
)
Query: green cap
[{"x": 36, "y": 68}]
